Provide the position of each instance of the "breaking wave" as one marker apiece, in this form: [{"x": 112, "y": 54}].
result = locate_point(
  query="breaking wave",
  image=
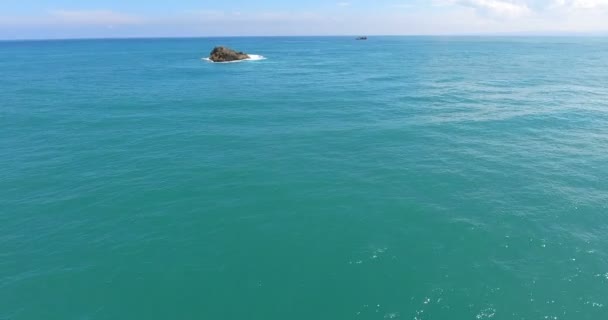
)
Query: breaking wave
[{"x": 252, "y": 57}]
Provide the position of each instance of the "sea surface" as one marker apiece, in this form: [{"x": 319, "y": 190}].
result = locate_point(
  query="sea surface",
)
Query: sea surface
[{"x": 419, "y": 178}]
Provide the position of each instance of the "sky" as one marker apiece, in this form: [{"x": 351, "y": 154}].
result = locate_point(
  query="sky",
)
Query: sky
[{"x": 51, "y": 19}]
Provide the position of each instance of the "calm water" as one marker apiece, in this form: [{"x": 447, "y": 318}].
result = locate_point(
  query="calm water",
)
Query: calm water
[{"x": 395, "y": 178}]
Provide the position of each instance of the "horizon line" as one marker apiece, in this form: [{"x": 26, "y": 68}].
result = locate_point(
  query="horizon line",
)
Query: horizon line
[{"x": 502, "y": 34}]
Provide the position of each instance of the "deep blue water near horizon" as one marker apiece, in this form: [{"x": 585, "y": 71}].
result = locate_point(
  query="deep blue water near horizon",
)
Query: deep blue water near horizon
[{"x": 395, "y": 178}]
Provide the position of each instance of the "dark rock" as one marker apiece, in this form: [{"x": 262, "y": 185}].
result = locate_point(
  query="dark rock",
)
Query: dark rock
[
  {"x": 361, "y": 38},
  {"x": 223, "y": 54}
]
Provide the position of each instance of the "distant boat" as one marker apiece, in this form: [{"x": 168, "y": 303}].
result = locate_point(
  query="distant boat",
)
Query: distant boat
[{"x": 361, "y": 38}]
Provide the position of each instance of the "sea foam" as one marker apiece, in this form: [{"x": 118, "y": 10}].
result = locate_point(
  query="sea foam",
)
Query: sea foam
[{"x": 252, "y": 57}]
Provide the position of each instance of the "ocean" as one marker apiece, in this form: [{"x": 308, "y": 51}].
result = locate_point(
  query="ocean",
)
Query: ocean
[{"x": 418, "y": 178}]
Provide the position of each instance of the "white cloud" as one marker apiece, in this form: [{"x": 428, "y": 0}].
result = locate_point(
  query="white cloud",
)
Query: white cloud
[
  {"x": 411, "y": 17},
  {"x": 520, "y": 8},
  {"x": 581, "y": 4},
  {"x": 532, "y": 16},
  {"x": 498, "y": 8}
]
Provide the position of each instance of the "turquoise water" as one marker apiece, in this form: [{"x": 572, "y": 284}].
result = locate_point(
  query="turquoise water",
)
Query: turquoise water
[{"x": 394, "y": 178}]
